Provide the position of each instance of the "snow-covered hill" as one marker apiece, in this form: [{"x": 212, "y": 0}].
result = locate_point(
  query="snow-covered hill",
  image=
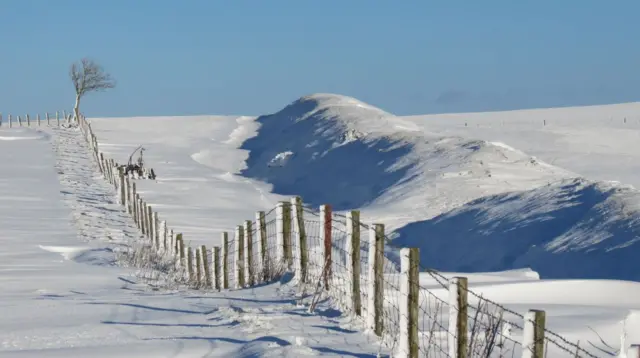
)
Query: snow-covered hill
[{"x": 469, "y": 204}]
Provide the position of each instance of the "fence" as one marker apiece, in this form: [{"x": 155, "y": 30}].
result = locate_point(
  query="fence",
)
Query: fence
[
  {"x": 343, "y": 258},
  {"x": 27, "y": 120}
]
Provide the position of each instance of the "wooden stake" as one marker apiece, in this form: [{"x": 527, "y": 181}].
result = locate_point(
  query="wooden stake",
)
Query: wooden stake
[
  {"x": 216, "y": 267},
  {"x": 302, "y": 254},
  {"x": 533, "y": 334},
  {"x": 353, "y": 250},
  {"x": 155, "y": 233},
  {"x": 286, "y": 233},
  {"x": 458, "y": 317},
  {"x": 248, "y": 253},
  {"x": 409, "y": 290},
  {"x": 190, "y": 272},
  {"x": 198, "y": 272},
  {"x": 225, "y": 260},
  {"x": 239, "y": 255},
  {"x": 262, "y": 266},
  {"x": 205, "y": 266},
  {"x": 376, "y": 279},
  {"x": 325, "y": 216}
]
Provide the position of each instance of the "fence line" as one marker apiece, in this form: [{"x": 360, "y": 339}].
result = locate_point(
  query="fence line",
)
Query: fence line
[
  {"x": 341, "y": 257},
  {"x": 17, "y": 121}
]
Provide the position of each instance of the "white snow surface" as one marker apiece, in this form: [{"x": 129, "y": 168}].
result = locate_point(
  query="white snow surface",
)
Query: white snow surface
[
  {"x": 63, "y": 295},
  {"x": 526, "y": 207}
]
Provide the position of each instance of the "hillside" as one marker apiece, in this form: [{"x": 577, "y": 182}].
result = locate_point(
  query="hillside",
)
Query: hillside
[{"x": 469, "y": 204}]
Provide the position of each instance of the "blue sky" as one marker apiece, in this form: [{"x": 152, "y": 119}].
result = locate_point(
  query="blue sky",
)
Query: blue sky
[{"x": 187, "y": 57}]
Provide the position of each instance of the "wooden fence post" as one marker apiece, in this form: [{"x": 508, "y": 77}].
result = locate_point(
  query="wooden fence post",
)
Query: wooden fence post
[
  {"x": 113, "y": 172},
  {"x": 280, "y": 245},
  {"x": 95, "y": 145},
  {"x": 155, "y": 231},
  {"x": 172, "y": 243},
  {"x": 239, "y": 255},
  {"x": 133, "y": 201},
  {"x": 533, "y": 334},
  {"x": 19, "y": 121},
  {"x": 300, "y": 238},
  {"x": 0, "y": 119},
  {"x": 48, "y": 119},
  {"x": 286, "y": 233},
  {"x": 58, "y": 117},
  {"x": 38, "y": 116},
  {"x": 198, "y": 271},
  {"x": 325, "y": 235},
  {"x": 353, "y": 259},
  {"x": 150, "y": 223},
  {"x": 375, "y": 290},
  {"x": 143, "y": 217},
  {"x": 180, "y": 249},
  {"x": 108, "y": 166},
  {"x": 136, "y": 209},
  {"x": 123, "y": 192},
  {"x": 261, "y": 242},
  {"x": 409, "y": 291},
  {"x": 103, "y": 168},
  {"x": 136, "y": 219},
  {"x": 164, "y": 233},
  {"x": 216, "y": 267},
  {"x": 190, "y": 273},
  {"x": 458, "y": 317},
  {"x": 248, "y": 253},
  {"x": 129, "y": 196},
  {"x": 225, "y": 260},
  {"x": 28, "y": 120},
  {"x": 205, "y": 266},
  {"x": 140, "y": 216},
  {"x": 109, "y": 171},
  {"x": 10, "y": 121}
]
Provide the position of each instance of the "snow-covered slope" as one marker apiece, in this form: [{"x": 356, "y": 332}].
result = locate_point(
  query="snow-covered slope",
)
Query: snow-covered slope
[
  {"x": 469, "y": 204},
  {"x": 598, "y": 142},
  {"x": 64, "y": 296}
]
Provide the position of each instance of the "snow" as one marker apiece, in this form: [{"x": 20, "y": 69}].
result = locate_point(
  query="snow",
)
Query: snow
[
  {"x": 522, "y": 203},
  {"x": 63, "y": 295}
]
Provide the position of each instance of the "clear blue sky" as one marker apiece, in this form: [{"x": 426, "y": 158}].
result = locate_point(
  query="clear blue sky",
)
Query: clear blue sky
[{"x": 185, "y": 57}]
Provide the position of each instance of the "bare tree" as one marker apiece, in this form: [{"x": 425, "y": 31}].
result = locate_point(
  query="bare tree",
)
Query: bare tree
[{"x": 88, "y": 76}]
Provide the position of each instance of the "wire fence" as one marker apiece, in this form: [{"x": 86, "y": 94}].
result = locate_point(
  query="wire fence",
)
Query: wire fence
[{"x": 415, "y": 311}]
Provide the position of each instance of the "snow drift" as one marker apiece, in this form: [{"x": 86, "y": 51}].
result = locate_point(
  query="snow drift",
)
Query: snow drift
[
  {"x": 569, "y": 229},
  {"x": 470, "y": 205},
  {"x": 329, "y": 149}
]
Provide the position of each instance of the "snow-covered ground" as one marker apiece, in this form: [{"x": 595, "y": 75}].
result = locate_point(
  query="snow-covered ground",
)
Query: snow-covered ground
[
  {"x": 471, "y": 197},
  {"x": 63, "y": 296}
]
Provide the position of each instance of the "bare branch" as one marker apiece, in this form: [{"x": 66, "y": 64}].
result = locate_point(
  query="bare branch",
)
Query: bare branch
[{"x": 88, "y": 76}]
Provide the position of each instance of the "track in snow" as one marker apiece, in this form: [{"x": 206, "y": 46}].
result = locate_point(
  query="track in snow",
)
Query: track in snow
[{"x": 96, "y": 213}]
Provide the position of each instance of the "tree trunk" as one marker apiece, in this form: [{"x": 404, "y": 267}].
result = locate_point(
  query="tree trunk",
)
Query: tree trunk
[{"x": 76, "y": 108}]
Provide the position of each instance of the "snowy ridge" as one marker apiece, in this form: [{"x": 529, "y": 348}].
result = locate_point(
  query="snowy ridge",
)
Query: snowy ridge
[{"x": 337, "y": 150}]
